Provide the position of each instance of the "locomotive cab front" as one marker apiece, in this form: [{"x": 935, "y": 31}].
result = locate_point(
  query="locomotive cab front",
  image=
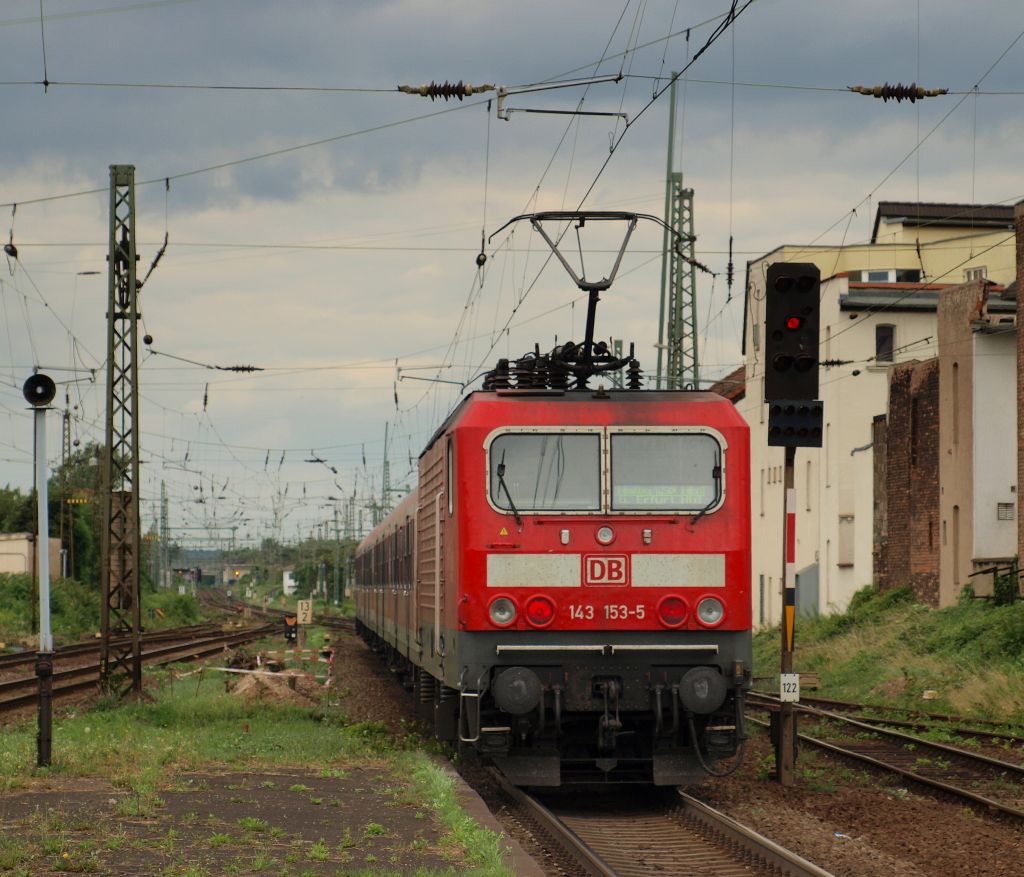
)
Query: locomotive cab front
[{"x": 601, "y": 561}]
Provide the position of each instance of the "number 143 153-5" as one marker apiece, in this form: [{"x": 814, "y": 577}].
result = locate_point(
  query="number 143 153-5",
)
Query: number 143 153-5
[{"x": 611, "y": 612}]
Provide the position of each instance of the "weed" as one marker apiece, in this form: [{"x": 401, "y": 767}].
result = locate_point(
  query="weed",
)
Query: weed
[
  {"x": 219, "y": 839},
  {"x": 319, "y": 851},
  {"x": 262, "y": 862},
  {"x": 316, "y": 801},
  {"x": 252, "y": 823},
  {"x": 299, "y": 787},
  {"x": 374, "y": 829},
  {"x": 765, "y": 768}
]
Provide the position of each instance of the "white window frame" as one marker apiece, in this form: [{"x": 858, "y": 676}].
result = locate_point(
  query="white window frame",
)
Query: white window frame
[{"x": 605, "y": 433}]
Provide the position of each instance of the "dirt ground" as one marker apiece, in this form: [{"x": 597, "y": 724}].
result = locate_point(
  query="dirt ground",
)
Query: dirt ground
[
  {"x": 300, "y": 822},
  {"x": 848, "y": 821},
  {"x": 280, "y": 822}
]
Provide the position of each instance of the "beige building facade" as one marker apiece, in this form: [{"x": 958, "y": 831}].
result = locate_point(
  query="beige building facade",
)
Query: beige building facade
[
  {"x": 878, "y": 307},
  {"x": 17, "y": 554}
]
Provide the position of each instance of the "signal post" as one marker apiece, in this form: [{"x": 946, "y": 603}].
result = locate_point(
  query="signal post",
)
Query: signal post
[{"x": 795, "y": 419}]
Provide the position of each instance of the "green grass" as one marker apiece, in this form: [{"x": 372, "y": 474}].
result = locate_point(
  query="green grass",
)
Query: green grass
[
  {"x": 888, "y": 649},
  {"x": 75, "y": 609},
  {"x": 144, "y": 749}
]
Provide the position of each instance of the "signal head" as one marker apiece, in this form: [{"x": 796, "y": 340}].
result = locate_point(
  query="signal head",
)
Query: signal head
[{"x": 39, "y": 390}]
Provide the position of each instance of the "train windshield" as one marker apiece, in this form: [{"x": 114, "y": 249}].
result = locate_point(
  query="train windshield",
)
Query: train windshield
[
  {"x": 546, "y": 472},
  {"x": 667, "y": 471}
]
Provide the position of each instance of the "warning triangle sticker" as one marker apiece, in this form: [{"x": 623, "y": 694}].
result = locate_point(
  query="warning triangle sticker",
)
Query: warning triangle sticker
[{"x": 503, "y": 532}]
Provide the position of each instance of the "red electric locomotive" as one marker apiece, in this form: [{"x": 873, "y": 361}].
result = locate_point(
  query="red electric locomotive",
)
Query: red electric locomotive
[{"x": 568, "y": 586}]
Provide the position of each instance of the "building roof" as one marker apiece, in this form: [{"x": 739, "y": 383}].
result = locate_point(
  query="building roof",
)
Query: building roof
[
  {"x": 913, "y": 213},
  {"x": 733, "y": 386},
  {"x": 913, "y": 297}
]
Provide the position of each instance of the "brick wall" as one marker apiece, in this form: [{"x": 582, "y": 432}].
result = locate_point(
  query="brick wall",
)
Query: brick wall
[
  {"x": 909, "y": 552},
  {"x": 880, "y": 525}
]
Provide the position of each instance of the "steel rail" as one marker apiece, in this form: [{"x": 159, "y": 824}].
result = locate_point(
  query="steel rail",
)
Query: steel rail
[
  {"x": 945, "y": 748},
  {"x": 939, "y": 785},
  {"x": 852, "y": 705},
  {"x": 16, "y": 659},
  {"x": 709, "y": 822},
  {"x": 165, "y": 655},
  {"x": 785, "y": 861},
  {"x": 567, "y": 842}
]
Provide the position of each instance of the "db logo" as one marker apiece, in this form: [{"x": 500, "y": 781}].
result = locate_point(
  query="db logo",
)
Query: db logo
[{"x": 606, "y": 569}]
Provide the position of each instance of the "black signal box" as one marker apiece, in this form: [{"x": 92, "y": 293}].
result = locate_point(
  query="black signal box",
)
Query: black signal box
[
  {"x": 795, "y": 423},
  {"x": 792, "y": 295}
]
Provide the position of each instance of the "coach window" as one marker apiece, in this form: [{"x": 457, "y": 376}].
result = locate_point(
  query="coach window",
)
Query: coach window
[
  {"x": 541, "y": 472},
  {"x": 677, "y": 471},
  {"x": 450, "y": 476}
]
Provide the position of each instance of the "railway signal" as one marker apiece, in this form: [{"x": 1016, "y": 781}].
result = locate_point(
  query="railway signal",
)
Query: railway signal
[
  {"x": 795, "y": 419},
  {"x": 791, "y": 331}
]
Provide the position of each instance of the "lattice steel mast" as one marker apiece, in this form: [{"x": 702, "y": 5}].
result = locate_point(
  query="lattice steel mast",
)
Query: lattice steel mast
[
  {"x": 120, "y": 620},
  {"x": 677, "y": 313}
]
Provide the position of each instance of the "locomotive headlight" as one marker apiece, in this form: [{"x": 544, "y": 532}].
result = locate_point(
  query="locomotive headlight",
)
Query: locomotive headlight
[
  {"x": 606, "y": 535},
  {"x": 502, "y": 611},
  {"x": 710, "y": 611}
]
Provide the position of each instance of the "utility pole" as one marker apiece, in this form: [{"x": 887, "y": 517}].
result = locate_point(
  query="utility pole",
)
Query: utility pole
[
  {"x": 66, "y": 530},
  {"x": 677, "y": 311},
  {"x": 337, "y": 559},
  {"x": 39, "y": 391},
  {"x": 120, "y": 613},
  {"x": 385, "y": 481},
  {"x": 164, "y": 578}
]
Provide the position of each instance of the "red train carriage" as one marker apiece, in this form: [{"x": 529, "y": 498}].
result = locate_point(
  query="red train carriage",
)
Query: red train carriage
[{"x": 569, "y": 585}]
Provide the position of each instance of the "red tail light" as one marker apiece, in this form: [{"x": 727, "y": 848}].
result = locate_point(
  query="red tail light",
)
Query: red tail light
[
  {"x": 672, "y": 611},
  {"x": 540, "y": 611}
]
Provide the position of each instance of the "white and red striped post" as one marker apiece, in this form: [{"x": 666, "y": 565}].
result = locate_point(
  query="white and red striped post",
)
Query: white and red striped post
[{"x": 785, "y": 752}]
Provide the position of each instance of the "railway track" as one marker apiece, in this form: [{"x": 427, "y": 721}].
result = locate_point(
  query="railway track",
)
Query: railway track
[
  {"x": 984, "y": 730},
  {"x": 994, "y": 785},
  {"x": 666, "y": 836},
  {"x": 22, "y": 691},
  {"x": 78, "y": 650}
]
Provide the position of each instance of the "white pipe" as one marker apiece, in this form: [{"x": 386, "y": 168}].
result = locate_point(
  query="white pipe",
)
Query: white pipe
[{"x": 43, "y": 539}]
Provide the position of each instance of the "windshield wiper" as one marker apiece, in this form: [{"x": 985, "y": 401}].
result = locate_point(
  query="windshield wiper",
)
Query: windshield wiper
[
  {"x": 504, "y": 486},
  {"x": 716, "y": 474}
]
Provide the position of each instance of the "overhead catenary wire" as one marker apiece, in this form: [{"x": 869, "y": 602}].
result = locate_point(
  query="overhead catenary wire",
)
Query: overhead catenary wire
[{"x": 273, "y": 153}]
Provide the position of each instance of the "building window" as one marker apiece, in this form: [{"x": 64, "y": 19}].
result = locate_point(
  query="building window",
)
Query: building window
[
  {"x": 956, "y": 404},
  {"x": 876, "y": 276},
  {"x": 1005, "y": 511},
  {"x": 807, "y": 485},
  {"x": 844, "y": 556},
  {"x": 908, "y": 275},
  {"x": 979, "y": 273},
  {"x": 885, "y": 336}
]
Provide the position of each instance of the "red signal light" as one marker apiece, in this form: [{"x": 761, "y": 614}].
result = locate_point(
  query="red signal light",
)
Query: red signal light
[
  {"x": 540, "y": 611},
  {"x": 793, "y": 323},
  {"x": 672, "y": 611}
]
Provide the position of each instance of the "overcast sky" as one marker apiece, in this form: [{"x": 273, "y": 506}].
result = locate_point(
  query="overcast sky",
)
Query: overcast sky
[{"x": 324, "y": 265}]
